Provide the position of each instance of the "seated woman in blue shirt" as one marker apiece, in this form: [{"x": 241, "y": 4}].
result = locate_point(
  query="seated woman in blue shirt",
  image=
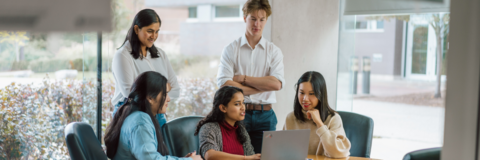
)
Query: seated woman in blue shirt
[{"x": 134, "y": 133}]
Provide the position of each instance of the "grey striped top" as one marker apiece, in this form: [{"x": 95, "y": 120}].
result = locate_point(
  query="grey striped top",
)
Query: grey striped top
[{"x": 210, "y": 137}]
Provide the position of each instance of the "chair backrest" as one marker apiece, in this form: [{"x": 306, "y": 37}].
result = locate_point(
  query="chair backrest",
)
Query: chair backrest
[
  {"x": 179, "y": 135},
  {"x": 359, "y": 130},
  {"x": 82, "y": 143},
  {"x": 424, "y": 154}
]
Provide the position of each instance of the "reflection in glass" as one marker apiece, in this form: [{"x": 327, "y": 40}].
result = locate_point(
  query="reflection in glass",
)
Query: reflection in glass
[
  {"x": 419, "y": 50},
  {"x": 227, "y": 11},
  {"x": 192, "y": 12}
]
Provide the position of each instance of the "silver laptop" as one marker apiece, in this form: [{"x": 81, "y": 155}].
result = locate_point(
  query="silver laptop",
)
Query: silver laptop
[{"x": 285, "y": 145}]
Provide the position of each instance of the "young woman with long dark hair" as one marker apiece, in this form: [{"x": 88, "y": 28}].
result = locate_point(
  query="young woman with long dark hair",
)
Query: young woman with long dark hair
[
  {"x": 221, "y": 134},
  {"x": 312, "y": 111},
  {"x": 138, "y": 54},
  {"x": 134, "y": 133}
]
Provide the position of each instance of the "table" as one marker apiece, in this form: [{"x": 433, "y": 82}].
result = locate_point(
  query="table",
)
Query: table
[{"x": 317, "y": 157}]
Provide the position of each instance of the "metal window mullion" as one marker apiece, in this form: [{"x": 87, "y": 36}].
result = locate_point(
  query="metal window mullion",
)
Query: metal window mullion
[{"x": 99, "y": 86}]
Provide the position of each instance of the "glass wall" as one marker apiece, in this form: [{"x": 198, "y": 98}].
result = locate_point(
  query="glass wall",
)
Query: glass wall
[
  {"x": 194, "y": 47},
  {"x": 47, "y": 80},
  {"x": 393, "y": 75}
]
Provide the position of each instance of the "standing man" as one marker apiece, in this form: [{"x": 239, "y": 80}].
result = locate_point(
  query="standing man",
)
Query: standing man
[{"x": 255, "y": 65}]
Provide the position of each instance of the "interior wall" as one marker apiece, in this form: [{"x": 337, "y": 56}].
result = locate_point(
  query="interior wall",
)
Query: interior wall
[
  {"x": 307, "y": 33},
  {"x": 463, "y": 72}
]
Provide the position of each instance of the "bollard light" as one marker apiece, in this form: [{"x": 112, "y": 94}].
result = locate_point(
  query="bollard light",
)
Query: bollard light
[
  {"x": 366, "y": 75},
  {"x": 354, "y": 67}
]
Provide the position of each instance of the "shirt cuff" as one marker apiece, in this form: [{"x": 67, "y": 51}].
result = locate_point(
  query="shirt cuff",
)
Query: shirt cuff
[
  {"x": 221, "y": 82},
  {"x": 281, "y": 80}
]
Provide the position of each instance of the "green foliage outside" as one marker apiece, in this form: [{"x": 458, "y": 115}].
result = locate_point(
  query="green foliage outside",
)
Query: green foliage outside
[{"x": 33, "y": 116}]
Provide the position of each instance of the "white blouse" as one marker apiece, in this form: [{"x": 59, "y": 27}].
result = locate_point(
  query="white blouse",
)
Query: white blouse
[{"x": 126, "y": 69}]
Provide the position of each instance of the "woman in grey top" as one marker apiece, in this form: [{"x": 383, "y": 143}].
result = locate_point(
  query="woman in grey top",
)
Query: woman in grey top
[{"x": 221, "y": 134}]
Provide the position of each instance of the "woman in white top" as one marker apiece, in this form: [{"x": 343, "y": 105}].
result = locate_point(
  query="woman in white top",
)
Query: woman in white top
[
  {"x": 138, "y": 54},
  {"x": 311, "y": 111}
]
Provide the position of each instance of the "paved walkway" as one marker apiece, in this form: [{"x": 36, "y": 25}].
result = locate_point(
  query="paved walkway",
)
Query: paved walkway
[{"x": 401, "y": 128}]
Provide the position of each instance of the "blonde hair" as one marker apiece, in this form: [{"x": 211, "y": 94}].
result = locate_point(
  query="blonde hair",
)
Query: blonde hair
[{"x": 255, "y": 5}]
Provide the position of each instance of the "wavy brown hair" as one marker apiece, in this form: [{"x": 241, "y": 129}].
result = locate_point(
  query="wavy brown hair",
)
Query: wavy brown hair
[{"x": 255, "y": 5}]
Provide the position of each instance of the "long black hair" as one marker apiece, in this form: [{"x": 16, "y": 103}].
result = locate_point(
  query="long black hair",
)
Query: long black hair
[
  {"x": 223, "y": 96},
  {"x": 147, "y": 84},
  {"x": 143, "y": 18},
  {"x": 319, "y": 87}
]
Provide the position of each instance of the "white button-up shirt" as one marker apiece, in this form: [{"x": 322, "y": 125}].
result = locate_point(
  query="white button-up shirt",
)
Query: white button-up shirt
[
  {"x": 238, "y": 58},
  {"x": 126, "y": 69}
]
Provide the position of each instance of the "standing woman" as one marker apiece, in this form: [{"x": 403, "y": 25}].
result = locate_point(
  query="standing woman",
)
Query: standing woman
[
  {"x": 138, "y": 54},
  {"x": 311, "y": 111}
]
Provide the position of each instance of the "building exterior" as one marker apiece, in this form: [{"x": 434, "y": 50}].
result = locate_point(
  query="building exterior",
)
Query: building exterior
[
  {"x": 203, "y": 27},
  {"x": 397, "y": 48}
]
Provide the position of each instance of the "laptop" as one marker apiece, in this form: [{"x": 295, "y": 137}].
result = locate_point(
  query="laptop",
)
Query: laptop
[{"x": 285, "y": 145}]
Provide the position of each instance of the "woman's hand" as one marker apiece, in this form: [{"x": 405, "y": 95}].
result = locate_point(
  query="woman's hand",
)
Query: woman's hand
[
  {"x": 314, "y": 115},
  {"x": 194, "y": 156},
  {"x": 255, "y": 156}
]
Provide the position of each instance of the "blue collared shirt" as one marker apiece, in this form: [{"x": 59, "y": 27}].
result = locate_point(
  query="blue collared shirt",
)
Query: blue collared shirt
[{"x": 138, "y": 139}]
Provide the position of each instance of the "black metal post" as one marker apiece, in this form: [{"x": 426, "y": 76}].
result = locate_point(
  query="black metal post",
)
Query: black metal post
[
  {"x": 99, "y": 86},
  {"x": 366, "y": 75},
  {"x": 353, "y": 74}
]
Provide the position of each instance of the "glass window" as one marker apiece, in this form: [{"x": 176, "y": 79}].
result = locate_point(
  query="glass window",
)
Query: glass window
[
  {"x": 390, "y": 76},
  {"x": 192, "y": 12},
  {"x": 47, "y": 80},
  {"x": 227, "y": 11},
  {"x": 419, "y": 49},
  {"x": 364, "y": 25},
  {"x": 361, "y": 25},
  {"x": 379, "y": 24}
]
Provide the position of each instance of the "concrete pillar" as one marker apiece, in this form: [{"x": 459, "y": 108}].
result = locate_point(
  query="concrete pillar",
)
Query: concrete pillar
[{"x": 307, "y": 33}]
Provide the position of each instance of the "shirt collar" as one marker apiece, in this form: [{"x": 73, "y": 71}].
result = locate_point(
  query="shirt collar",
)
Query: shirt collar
[{"x": 244, "y": 41}]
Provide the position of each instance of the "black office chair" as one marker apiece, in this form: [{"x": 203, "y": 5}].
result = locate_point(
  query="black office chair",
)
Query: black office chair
[
  {"x": 424, "y": 154},
  {"x": 359, "y": 130},
  {"x": 82, "y": 143},
  {"x": 179, "y": 135}
]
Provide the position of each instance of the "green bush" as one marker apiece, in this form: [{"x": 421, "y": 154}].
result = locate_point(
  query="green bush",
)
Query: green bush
[
  {"x": 5, "y": 65},
  {"x": 33, "y": 117},
  {"x": 52, "y": 65},
  {"x": 19, "y": 65},
  {"x": 49, "y": 65},
  {"x": 196, "y": 98}
]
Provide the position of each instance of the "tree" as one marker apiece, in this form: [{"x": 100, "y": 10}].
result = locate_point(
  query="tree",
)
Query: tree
[
  {"x": 121, "y": 21},
  {"x": 17, "y": 39},
  {"x": 441, "y": 27}
]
